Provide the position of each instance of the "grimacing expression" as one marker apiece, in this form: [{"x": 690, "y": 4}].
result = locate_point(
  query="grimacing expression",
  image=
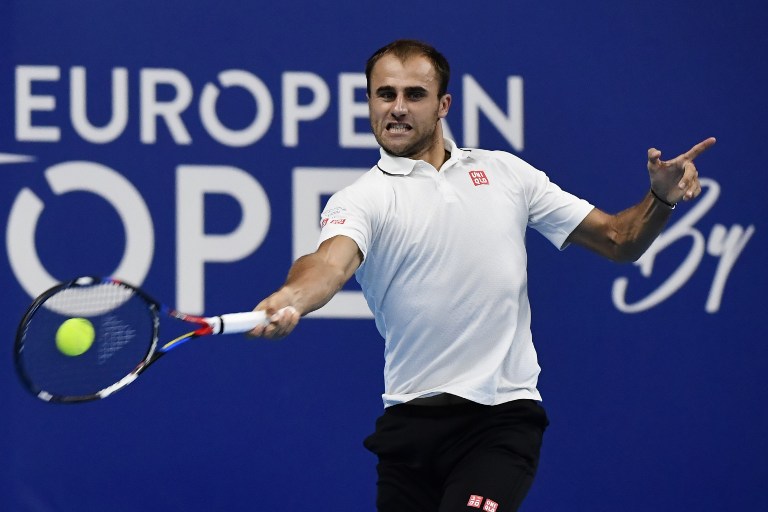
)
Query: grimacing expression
[{"x": 404, "y": 107}]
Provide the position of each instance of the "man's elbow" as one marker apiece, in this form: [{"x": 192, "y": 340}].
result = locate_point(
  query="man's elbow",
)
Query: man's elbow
[
  {"x": 627, "y": 257},
  {"x": 626, "y": 253},
  {"x": 622, "y": 249}
]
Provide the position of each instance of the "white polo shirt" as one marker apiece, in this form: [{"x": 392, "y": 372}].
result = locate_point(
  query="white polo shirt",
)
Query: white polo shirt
[{"x": 444, "y": 268}]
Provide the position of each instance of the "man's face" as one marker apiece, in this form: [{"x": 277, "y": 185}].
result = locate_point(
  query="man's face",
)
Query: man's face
[{"x": 404, "y": 107}]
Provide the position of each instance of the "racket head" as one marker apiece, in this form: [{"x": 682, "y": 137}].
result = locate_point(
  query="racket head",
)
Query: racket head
[{"x": 125, "y": 323}]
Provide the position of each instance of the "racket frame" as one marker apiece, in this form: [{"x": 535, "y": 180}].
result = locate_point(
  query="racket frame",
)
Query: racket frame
[{"x": 234, "y": 322}]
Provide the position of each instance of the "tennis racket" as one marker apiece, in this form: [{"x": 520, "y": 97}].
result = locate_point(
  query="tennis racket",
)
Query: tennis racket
[{"x": 114, "y": 338}]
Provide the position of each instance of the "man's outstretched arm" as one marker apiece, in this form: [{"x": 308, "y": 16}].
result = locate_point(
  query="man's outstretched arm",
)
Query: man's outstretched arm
[
  {"x": 312, "y": 281},
  {"x": 625, "y": 236}
]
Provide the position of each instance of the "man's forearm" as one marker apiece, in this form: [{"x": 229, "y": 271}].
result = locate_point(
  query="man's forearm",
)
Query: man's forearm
[
  {"x": 634, "y": 229},
  {"x": 312, "y": 282}
]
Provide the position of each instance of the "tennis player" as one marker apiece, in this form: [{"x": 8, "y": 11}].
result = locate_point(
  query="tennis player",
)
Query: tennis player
[{"x": 436, "y": 237}]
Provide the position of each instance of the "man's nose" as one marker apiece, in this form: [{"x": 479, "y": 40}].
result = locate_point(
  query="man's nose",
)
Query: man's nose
[{"x": 400, "y": 107}]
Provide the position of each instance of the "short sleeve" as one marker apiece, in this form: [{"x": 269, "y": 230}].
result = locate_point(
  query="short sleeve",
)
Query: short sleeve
[
  {"x": 554, "y": 212},
  {"x": 347, "y": 213}
]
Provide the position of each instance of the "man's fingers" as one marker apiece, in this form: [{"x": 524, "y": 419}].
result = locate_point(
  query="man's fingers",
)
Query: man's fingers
[
  {"x": 699, "y": 148},
  {"x": 679, "y": 173},
  {"x": 689, "y": 175},
  {"x": 280, "y": 324},
  {"x": 288, "y": 312},
  {"x": 654, "y": 155},
  {"x": 689, "y": 183},
  {"x": 271, "y": 331},
  {"x": 256, "y": 331},
  {"x": 693, "y": 191}
]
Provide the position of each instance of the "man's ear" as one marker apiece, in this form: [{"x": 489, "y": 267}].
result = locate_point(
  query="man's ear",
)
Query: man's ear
[{"x": 445, "y": 105}]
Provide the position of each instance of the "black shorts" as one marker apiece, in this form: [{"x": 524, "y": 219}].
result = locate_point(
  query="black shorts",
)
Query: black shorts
[{"x": 457, "y": 457}]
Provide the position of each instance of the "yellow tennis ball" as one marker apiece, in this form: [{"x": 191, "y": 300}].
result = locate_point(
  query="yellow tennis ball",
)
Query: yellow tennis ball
[{"x": 75, "y": 336}]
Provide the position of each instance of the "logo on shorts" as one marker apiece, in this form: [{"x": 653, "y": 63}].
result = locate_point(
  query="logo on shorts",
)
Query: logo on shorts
[
  {"x": 476, "y": 501},
  {"x": 478, "y": 177}
]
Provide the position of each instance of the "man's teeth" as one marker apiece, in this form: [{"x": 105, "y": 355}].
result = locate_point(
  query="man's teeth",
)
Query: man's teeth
[{"x": 398, "y": 127}]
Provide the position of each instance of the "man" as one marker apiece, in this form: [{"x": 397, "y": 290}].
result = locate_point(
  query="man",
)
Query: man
[{"x": 462, "y": 425}]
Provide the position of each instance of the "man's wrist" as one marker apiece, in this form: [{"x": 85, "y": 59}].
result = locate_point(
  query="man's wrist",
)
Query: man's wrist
[{"x": 669, "y": 205}]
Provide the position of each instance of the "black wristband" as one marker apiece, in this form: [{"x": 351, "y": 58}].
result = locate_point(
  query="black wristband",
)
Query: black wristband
[{"x": 670, "y": 205}]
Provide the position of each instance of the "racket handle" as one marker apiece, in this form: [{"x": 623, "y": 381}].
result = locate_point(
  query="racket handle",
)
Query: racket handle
[{"x": 232, "y": 323}]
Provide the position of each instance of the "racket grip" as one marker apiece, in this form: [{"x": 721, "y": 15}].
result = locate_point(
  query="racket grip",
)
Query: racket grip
[{"x": 232, "y": 323}]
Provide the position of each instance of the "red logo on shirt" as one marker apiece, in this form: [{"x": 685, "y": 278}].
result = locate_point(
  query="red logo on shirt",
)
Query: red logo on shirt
[
  {"x": 332, "y": 221},
  {"x": 475, "y": 501},
  {"x": 478, "y": 177}
]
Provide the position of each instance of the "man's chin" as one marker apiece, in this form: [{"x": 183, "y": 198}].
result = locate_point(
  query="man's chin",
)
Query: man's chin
[
  {"x": 401, "y": 150},
  {"x": 400, "y": 153}
]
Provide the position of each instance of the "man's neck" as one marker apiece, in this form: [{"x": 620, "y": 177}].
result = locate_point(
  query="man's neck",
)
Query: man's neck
[{"x": 437, "y": 154}]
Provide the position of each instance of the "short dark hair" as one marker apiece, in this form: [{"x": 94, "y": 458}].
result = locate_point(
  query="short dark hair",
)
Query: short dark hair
[{"x": 404, "y": 49}]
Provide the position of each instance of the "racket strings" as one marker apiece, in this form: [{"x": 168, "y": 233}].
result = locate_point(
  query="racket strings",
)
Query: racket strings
[
  {"x": 89, "y": 301},
  {"x": 114, "y": 335}
]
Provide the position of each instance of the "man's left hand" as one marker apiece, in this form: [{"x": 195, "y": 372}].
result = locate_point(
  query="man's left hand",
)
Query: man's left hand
[{"x": 677, "y": 179}]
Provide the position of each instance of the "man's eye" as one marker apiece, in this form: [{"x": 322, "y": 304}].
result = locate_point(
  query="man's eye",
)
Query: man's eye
[{"x": 417, "y": 95}]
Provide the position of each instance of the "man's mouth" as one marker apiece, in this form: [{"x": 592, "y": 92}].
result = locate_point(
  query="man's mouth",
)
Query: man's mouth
[{"x": 398, "y": 127}]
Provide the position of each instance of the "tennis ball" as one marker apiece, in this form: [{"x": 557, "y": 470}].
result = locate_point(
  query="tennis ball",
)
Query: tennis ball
[{"x": 75, "y": 336}]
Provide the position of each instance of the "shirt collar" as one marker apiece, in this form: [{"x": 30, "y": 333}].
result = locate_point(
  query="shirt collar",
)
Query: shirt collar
[{"x": 390, "y": 164}]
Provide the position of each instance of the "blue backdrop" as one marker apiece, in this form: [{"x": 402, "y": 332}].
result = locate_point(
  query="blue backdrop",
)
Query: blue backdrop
[{"x": 188, "y": 146}]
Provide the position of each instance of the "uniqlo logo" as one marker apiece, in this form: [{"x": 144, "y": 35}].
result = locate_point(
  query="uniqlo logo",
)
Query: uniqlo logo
[
  {"x": 475, "y": 501},
  {"x": 478, "y": 177},
  {"x": 490, "y": 506}
]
